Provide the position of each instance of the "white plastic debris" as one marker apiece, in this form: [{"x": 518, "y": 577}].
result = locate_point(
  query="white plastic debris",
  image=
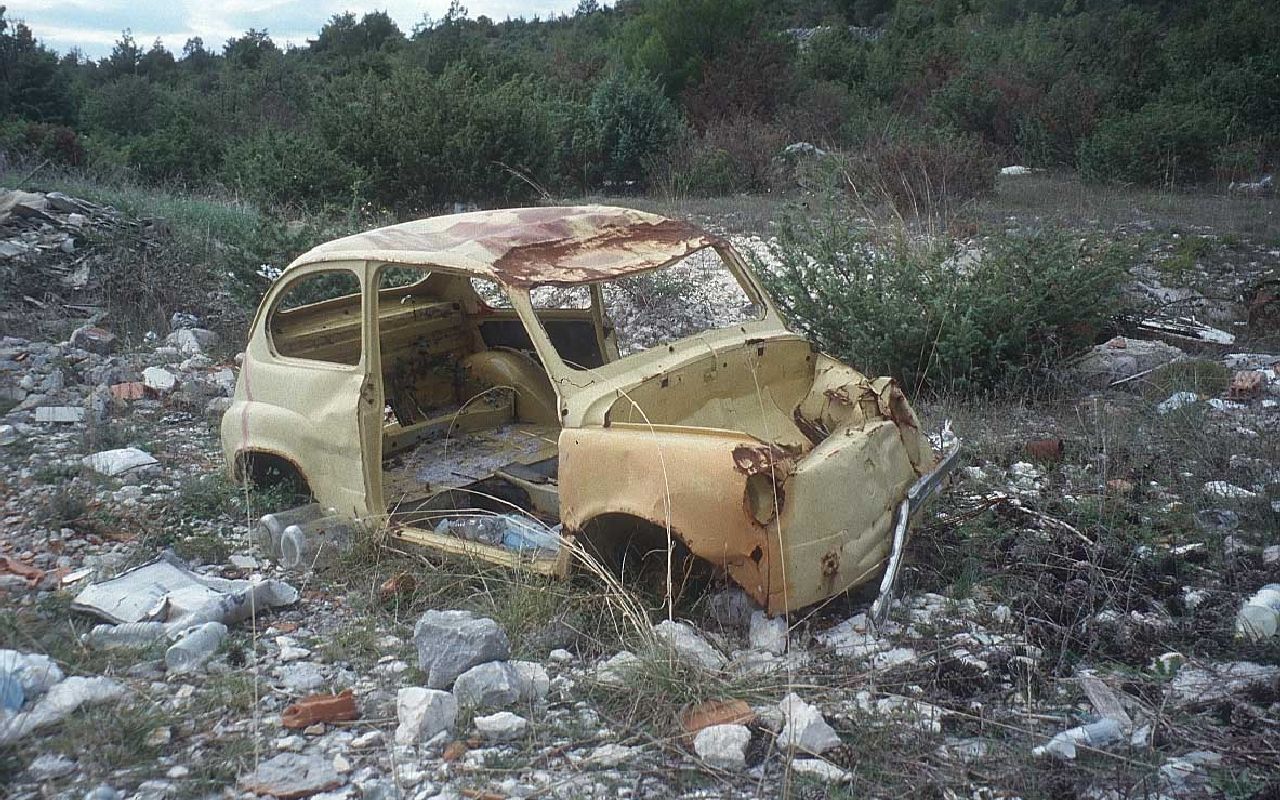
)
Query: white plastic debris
[
  {"x": 196, "y": 646},
  {"x": 63, "y": 698},
  {"x": 1260, "y": 615},
  {"x": 117, "y": 462},
  {"x": 1096, "y": 734},
  {"x": 166, "y": 590},
  {"x": 1015, "y": 170},
  {"x": 1228, "y": 491},
  {"x": 822, "y": 770},
  {"x": 1176, "y": 401}
]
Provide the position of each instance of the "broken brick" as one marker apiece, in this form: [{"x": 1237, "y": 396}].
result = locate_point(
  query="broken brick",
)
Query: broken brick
[{"x": 321, "y": 708}]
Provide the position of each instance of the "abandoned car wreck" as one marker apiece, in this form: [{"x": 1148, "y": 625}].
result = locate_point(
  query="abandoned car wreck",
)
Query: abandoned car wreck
[{"x": 423, "y": 375}]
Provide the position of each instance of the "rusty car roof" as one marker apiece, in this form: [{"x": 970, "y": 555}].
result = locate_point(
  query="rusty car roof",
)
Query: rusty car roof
[{"x": 526, "y": 246}]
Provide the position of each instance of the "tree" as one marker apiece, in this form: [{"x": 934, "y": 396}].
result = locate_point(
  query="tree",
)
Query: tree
[
  {"x": 32, "y": 86},
  {"x": 672, "y": 39},
  {"x": 636, "y": 122},
  {"x": 158, "y": 63},
  {"x": 250, "y": 51},
  {"x": 124, "y": 59}
]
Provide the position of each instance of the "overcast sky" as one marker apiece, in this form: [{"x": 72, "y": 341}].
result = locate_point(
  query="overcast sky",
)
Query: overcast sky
[{"x": 94, "y": 25}]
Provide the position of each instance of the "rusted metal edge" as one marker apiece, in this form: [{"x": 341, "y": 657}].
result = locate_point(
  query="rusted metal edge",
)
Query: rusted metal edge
[{"x": 919, "y": 492}]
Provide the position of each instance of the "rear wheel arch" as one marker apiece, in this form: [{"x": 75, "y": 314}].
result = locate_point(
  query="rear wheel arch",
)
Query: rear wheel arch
[{"x": 266, "y": 470}]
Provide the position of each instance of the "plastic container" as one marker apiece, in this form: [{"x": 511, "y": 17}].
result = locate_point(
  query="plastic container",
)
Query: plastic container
[
  {"x": 1096, "y": 734},
  {"x": 1259, "y": 617},
  {"x": 130, "y": 634},
  {"x": 478, "y": 528},
  {"x": 11, "y": 692},
  {"x": 271, "y": 526},
  {"x": 196, "y": 646},
  {"x": 316, "y": 542},
  {"x": 523, "y": 535}
]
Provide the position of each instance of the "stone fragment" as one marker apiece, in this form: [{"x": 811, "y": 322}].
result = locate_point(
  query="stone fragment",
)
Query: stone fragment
[
  {"x": 822, "y": 770},
  {"x": 767, "y": 634},
  {"x": 48, "y": 766},
  {"x": 59, "y": 414},
  {"x": 618, "y": 670},
  {"x": 688, "y": 644},
  {"x": 731, "y": 608},
  {"x": 451, "y": 642},
  {"x": 491, "y": 685},
  {"x": 502, "y": 726},
  {"x": 94, "y": 340},
  {"x": 288, "y": 776},
  {"x": 159, "y": 380},
  {"x": 192, "y": 341},
  {"x": 423, "y": 713},
  {"x": 534, "y": 680},
  {"x": 723, "y": 746},
  {"x": 610, "y": 755},
  {"x": 805, "y": 729}
]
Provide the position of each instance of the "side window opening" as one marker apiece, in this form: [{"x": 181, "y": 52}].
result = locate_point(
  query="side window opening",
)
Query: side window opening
[{"x": 317, "y": 318}]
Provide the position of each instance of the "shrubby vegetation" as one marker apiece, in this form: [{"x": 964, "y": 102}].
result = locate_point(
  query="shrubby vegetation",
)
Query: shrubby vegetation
[
  {"x": 923, "y": 98},
  {"x": 993, "y": 317}
]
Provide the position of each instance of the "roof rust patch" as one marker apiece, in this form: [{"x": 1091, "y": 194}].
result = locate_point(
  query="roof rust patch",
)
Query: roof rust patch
[{"x": 578, "y": 259}]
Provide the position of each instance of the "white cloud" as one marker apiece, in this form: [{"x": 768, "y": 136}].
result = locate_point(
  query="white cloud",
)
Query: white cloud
[{"x": 94, "y": 25}]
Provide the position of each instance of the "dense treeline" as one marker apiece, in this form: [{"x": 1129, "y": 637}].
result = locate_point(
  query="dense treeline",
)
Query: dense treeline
[{"x": 688, "y": 95}]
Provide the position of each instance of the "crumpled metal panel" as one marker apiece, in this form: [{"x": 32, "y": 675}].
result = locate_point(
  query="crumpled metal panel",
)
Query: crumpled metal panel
[{"x": 526, "y": 246}]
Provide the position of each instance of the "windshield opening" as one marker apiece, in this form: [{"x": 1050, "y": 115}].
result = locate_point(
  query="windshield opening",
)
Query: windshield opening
[{"x": 695, "y": 294}]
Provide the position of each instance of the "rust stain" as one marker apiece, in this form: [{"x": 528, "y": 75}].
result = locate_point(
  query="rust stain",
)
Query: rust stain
[
  {"x": 763, "y": 458},
  {"x": 566, "y": 259},
  {"x": 830, "y": 564}
]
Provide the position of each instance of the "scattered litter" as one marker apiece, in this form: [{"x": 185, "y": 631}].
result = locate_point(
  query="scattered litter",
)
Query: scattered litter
[
  {"x": 1186, "y": 330},
  {"x": 1245, "y": 384},
  {"x": 1210, "y": 683},
  {"x": 1015, "y": 170},
  {"x": 321, "y": 708},
  {"x": 62, "y": 698},
  {"x": 1260, "y": 615},
  {"x": 117, "y": 462},
  {"x": 1104, "y": 700},
  {"x": 1098, "y": 734},
  {"x": 1046, "y": 450},
  {"x": 195, "y": 646},
  {"x": 166, "y": 590},
  {"x": 1228, "y": 491}
]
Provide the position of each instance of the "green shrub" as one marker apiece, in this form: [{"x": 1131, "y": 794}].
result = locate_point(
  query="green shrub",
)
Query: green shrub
[
  {"x": 291, "y": 167},
  {"x": 1161, "y": 144},
  {"x": 637, "y": 124},
  {"x": 39, "y": 140},
  {"x": 932, "y": 318}
]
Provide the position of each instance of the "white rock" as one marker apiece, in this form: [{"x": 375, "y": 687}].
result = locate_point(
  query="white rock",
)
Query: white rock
[
  {"x": 1176, "y": 401},
  {"x": 59, "y": 414},
  {"x": 117, "y": 462},
  {"x": 290, "y": 653},
  {"x": 423, "y": 713},
  {"x": 822, "y": 770},
  {"x": 301, "y": 677},
  {"x": 805, "y": 729},
  {"x": 492, "y": 685},
  {"x": 159, "y": 380},
  {"x": 534, "y": 681},
  {"x": 560, "y": 656},
  {"x": 767, "y": 634},
  {"x": 688, "y": 644},
  {"x": 502, "y": 727},
  {"x": 610, "y": 755},
  {"x": 618, "y": 670},
  {"x": 723, "y": 746},
  {"x": 47, "y": 767},
  {"x": 1015, "y": 170}
]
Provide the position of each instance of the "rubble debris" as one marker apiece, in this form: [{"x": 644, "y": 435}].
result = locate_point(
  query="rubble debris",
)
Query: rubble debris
[
  {"x": 1259, "y": 616},
  {"x": 925, "y": 716},
  {"x": 805, "y": 729},
  {"x": 93, "y": 339},
  {"x": 502, "y": 726},
  {"x": 49, "y": 766},
  {"x": 33, "y": 575},
  {"x": 159, "y": 381},
  {"x": 1104, "y": 700},
  {"x": 289, "y": 776},
  {"x": 1246, "y": 384},
  {"x": 1186, "y": 331},
  {"x": 166, "y": 590},
  {"x": 820, "y": 769},
  {"x": 715, "y": 712},
  {"x": 494, "y": 684},
  {"x": 1098, "y": 735},
  {"x": 451, "y": 642},
  {"x": 1212, "y": 682},
  {"x": 1121, "y": 359},
  {"x": 321, "y": 708},
  {"x": 114, "y": 463},
  {"x": 769, "y": 635},
  {"x": 688, "y": 644},
  {"x": 723, "y": 746},
  {"x": 59, "y": 415},
  {"x": 1228, "y": 491},
  {"x": 423, "y": 713}
]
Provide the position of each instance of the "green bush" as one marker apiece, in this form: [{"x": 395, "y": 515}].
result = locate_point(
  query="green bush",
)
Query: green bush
[
  {"x": 940, "y": 320},
  {"x": 291, "y": 167},
  {"x": 637, "y": 124},
  {"x": 1163, "y": 143}
]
